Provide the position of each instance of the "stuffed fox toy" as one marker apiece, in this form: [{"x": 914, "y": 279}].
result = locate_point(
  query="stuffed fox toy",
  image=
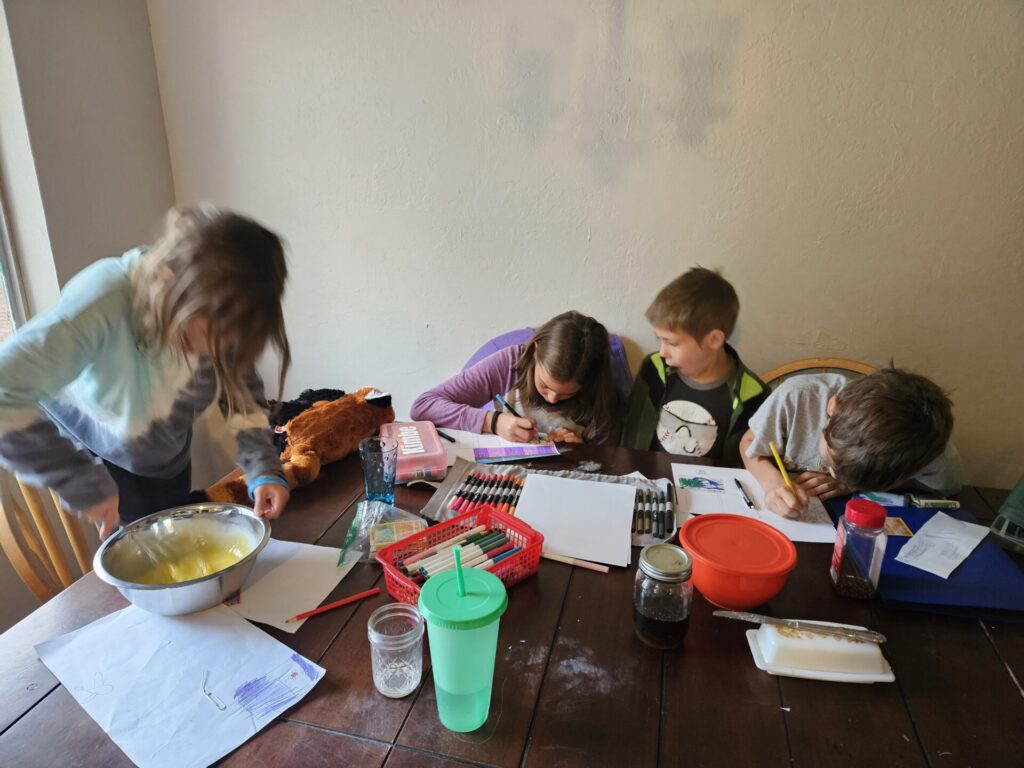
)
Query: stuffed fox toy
[{"x": 324, "y": 432}]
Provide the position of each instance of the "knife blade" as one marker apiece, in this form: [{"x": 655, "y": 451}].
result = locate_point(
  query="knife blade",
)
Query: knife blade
[{"x": 807, "y": 626}]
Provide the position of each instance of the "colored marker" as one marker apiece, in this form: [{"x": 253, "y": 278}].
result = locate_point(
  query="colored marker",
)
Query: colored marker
[
  {"x": 666, "y": 516},
  {"x": 429, "y": 551},
  {"x": 447, "y": 554},
  {"x": 471, "y": 556},
  {"x": 483, "y": 545},
  {"x": 498, "y": 558}
]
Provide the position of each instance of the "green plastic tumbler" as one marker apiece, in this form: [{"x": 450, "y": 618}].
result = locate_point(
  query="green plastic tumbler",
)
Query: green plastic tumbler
[{"x": 462, "y": 608}]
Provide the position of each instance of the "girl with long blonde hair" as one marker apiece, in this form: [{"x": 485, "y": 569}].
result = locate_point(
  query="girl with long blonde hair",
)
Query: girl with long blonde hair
[{"x": 99, "y": 394}]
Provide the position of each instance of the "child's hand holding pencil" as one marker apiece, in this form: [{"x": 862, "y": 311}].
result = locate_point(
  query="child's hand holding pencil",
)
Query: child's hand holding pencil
[{"x": 786, "y": 500}]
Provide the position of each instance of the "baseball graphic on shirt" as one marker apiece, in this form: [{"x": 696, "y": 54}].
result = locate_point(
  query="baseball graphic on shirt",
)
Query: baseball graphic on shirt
[{"x": 687, "y": 428}]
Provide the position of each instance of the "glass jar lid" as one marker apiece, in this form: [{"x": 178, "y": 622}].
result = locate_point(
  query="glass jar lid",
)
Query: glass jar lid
[{"x": 666, "y": 562}]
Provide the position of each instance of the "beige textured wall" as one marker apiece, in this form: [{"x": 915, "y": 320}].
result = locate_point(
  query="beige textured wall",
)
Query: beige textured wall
[
  {"x": 88, "y": 87},
  {"x": 445, "y": 171}
]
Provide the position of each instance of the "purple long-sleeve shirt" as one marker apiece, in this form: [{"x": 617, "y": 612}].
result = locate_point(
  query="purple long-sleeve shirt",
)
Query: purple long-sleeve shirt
[{"x": 459, "y": 402}]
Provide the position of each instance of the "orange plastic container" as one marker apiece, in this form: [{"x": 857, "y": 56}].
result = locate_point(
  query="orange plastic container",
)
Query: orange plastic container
[
  {"x": 738, "y": 562},
  {"x": 511, "y": 570}
]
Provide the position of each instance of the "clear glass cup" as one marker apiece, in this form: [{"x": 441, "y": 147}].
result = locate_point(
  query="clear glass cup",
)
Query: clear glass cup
[
  {"x": 379, "y": 457},
  {"x": 396, "y": 649}
]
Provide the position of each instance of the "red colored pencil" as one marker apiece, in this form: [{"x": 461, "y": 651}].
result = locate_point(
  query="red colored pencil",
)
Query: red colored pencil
[{"x": 332, "y": 606}]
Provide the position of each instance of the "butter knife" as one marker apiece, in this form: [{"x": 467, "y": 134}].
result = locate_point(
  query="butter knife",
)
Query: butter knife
[{"x": 807, "y": 626}]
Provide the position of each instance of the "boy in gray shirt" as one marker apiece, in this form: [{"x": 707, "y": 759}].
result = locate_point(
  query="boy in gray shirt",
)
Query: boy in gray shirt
[{"x": 836, "y": 435}]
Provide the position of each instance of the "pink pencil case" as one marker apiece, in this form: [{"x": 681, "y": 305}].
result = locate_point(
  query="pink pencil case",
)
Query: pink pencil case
[{"x": 421, "y": 455}]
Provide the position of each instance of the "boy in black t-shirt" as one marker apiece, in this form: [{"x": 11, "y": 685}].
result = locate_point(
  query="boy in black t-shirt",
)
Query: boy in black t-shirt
[{"x": 693, "y": 396}]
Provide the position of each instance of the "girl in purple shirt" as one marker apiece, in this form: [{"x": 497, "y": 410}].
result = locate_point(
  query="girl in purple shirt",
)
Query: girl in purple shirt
[{"x": 560, "y": 384}]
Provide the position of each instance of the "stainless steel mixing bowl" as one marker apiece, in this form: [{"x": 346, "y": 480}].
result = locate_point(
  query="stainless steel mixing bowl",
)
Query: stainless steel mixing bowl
[{"x": 126, "y": 555}]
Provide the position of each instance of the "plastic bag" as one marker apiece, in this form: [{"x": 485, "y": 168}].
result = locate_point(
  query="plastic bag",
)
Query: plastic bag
[{"x": 368, "y": 513}]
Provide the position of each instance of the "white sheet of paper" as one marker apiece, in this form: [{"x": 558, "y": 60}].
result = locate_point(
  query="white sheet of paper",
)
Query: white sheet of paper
[
  {"x": 580, "y": 518},
  {"x": 718, "y": 493},
  {"x": 941, "y": 544},
  {"x": 178, "y": 691},
  {"x": 289, "y": 578}
]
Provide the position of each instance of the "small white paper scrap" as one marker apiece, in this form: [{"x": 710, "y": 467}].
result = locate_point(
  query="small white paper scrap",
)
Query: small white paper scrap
[
  {"x": 178, "y": 691},
  {"x": 941, "y": 544},
  {"x": 289, "y": 578}
]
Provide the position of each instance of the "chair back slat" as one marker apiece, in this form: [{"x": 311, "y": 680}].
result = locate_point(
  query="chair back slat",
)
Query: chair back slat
[
  {"x": 33, "y": 544},
  {"x": 817, "y": 365},
  {"x": 74, "y": 531},
  {"x": 54, "y": 550}
]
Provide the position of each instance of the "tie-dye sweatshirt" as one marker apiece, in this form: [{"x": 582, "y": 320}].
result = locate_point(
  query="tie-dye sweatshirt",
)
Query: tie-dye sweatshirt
[{"x": 74, "y": 382}]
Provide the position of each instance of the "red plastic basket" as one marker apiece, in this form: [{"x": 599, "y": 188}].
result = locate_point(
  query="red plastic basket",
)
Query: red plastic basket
[{"x": 511, "y": 570}]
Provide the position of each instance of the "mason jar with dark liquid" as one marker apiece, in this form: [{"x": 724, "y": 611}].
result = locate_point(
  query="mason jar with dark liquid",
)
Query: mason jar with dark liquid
[{"x": 662, "y": 594}]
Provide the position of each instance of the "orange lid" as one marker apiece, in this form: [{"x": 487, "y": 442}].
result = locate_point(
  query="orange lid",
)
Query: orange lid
[{"x": 738, "y": 545}]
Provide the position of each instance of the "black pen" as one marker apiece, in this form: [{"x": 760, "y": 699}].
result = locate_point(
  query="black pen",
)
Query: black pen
[
  {"x": 743, "y": 493},
  {"x": 446, "y": 436}
]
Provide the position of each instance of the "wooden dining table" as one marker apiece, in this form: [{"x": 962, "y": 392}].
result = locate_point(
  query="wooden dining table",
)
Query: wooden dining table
[{"x": 573, "y": 686}]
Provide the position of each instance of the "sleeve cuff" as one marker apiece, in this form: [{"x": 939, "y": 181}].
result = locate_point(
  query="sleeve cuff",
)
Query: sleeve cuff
[{"x": 267, "y": 480}]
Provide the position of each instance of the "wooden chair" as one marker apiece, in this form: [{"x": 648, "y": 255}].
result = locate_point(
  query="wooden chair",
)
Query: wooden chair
[
  {"x": 852, "y": 368},
  {"x": 30, "y": 542}
]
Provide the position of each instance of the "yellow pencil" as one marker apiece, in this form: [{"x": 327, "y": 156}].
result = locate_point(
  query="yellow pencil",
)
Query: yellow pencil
[{"x": 782, "y": 467}]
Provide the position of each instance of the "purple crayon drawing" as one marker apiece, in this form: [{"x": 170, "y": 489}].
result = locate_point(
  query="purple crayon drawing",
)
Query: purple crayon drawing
[{"x": 515, "y": 452}]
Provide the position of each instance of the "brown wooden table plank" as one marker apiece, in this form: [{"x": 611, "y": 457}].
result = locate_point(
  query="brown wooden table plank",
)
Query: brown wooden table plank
[
  {"x": 346, "y": 699},
  {"x": 1007, "y": 638},
  {"x": 408, "y": 758},
  {"x": 25, "y": 680},
  {"x": 994, "y": 497},
  {"x": 959, "y": 694},
  {"x": 972, "y": 501},
  {"x": 524, "y": 643},
  {"x": 697, "y": 728},
  {"x": 313, "y": 509},
  {"x": 59, "y": 732},
  {"x": 600, "y": 700},
  {"x": 839, "y": 723},
  {"x": 286, "y": 744}
]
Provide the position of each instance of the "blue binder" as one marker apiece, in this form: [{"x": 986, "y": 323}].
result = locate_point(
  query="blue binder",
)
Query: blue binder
[{"x": 987, "y": 585}]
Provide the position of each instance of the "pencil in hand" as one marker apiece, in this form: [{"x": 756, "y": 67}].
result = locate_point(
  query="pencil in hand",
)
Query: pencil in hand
[{"x": 782, "y": 467}]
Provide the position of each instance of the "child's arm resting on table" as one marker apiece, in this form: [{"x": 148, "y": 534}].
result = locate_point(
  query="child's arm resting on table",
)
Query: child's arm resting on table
[
  {"x": 777, "y": 497},
  {"x": 459, "y": 401},
  {"x": 820, "y": 484}
]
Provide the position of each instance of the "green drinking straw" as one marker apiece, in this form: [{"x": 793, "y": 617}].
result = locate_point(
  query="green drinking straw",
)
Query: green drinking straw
[{"x": 460, "y": 580}]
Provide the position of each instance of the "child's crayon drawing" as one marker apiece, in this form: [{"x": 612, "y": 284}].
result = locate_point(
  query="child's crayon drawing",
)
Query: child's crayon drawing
[{"x": 698, "y": 483}]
